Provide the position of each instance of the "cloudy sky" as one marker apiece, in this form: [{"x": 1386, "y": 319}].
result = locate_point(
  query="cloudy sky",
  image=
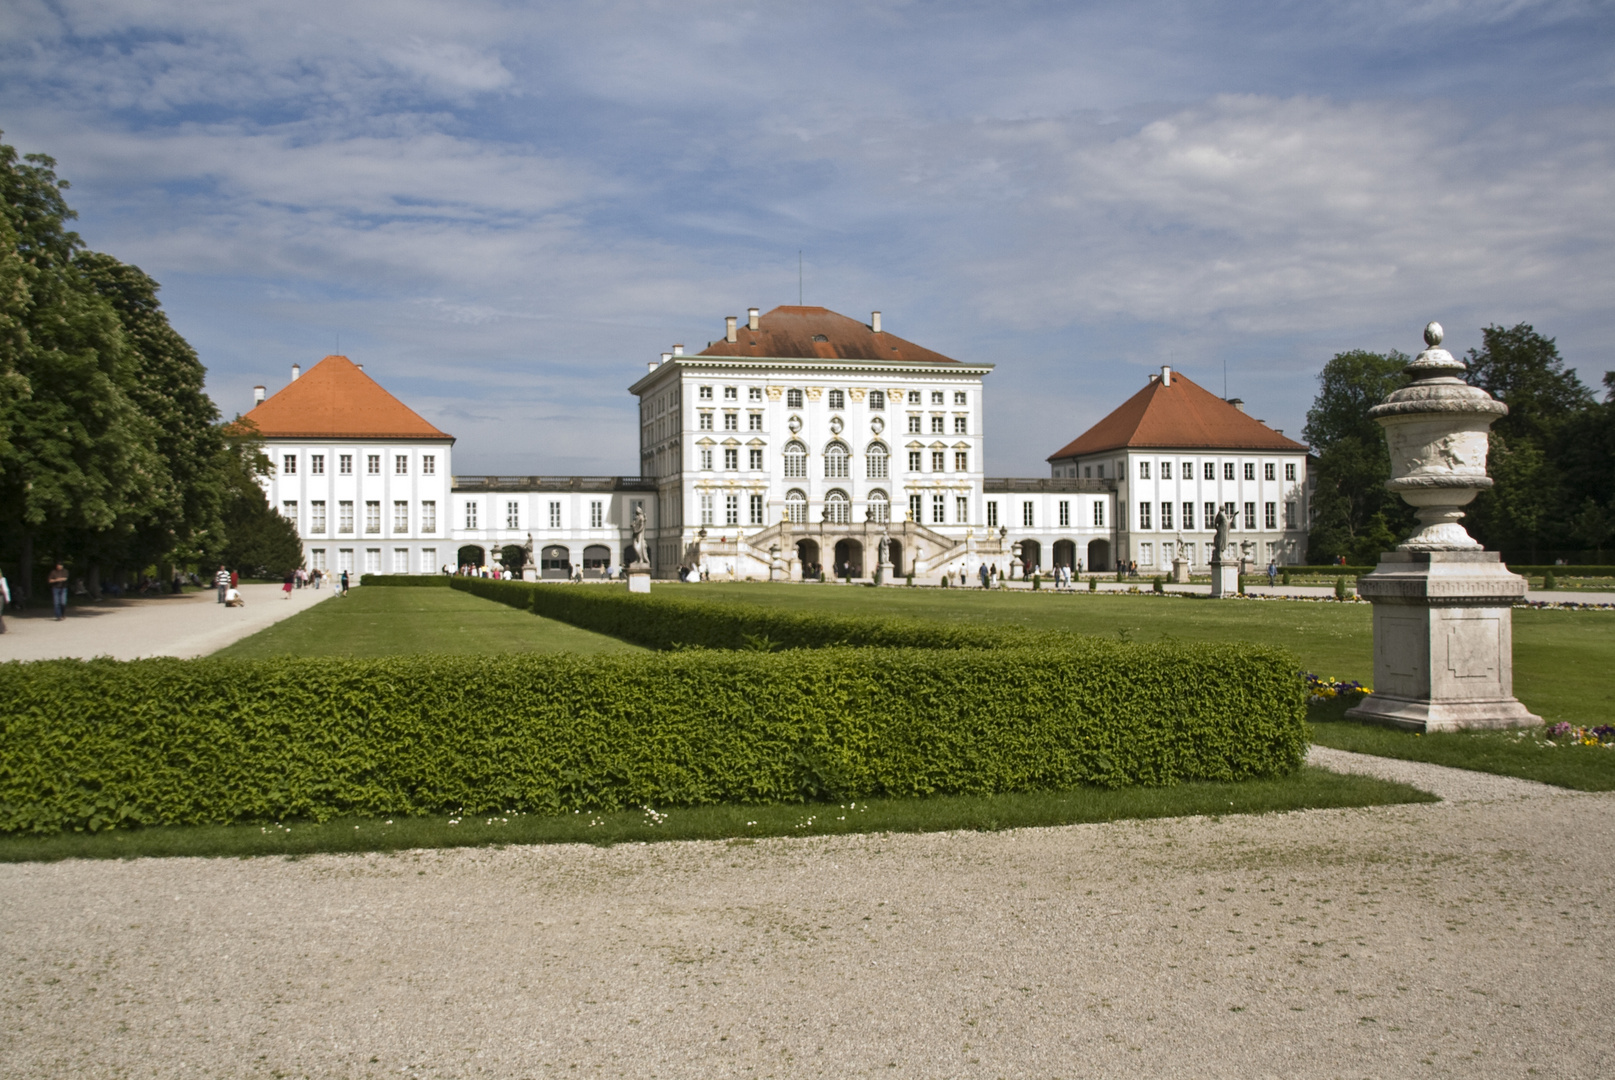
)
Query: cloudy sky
[{"x": 504, "y": 210}]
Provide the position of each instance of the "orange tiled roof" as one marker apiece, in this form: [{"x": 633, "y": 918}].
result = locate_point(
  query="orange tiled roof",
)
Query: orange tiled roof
[
  {"x": 334, "y": 399},
  {"x": 788, "y": 332},
  {"x": 1182, "y": 416}
]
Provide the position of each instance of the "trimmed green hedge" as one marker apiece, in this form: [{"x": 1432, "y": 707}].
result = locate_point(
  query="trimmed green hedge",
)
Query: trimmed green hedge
[
  {"x": 1563, "y": 571},
  {"x": 665, "y": 620},
  {"x": 89, "y": 744},
  {"x": 418, "y": 581}
]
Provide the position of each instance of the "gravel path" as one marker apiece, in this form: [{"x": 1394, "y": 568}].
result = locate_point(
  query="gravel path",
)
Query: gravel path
[
  {"x": 1464, "y": 938},
  {"x": 191, "y": 624}
]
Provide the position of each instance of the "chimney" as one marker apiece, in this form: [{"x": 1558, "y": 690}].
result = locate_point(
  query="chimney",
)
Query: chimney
[
  {"x": 751, "y": 318},
  {"x": 652, "y": 365},
  {"x": 729, "y": 328},
  {"x": 678, "y": 350},
  {"x": 1166, "y": 375},
  {"x": 666, "y": 357},
  {"x": 874, "y": 321},
  {"x": 359, "y": 366},
  {"x": 296, "y": 371},
  {"x": 1238, "y": 403},
  {"x": 257, "y": 395}
]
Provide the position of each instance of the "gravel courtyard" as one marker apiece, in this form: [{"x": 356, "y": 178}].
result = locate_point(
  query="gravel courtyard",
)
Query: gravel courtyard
[{"x": 1465, "y": 938}]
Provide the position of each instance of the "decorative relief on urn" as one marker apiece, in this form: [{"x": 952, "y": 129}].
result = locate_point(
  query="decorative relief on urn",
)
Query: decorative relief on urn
[{"x": 1436, "y": 428}]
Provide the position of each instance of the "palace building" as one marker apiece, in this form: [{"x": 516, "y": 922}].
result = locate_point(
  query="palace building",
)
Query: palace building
[{"x": 802, "y": 441}]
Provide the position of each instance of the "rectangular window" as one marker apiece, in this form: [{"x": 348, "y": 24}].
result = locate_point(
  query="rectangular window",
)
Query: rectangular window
[
  {"x": 288, "y": 464},
  {"x": 913, "y": 461},
  {"x": 372, "y": 466},
  {"x": 961, "y": 425},
  {"x": 1098, "y": 514},
  {"x": 597, "y": 514},
  {"x": 754, "y": 458},
  {"x": 939, "y": 510},
  {"x": 429, "y": 517},
  {"x": 513, "y": 514},
  {"x": 755, "y": 393},
  {"x": 1187, "y": 470},
  {"x": 429, "y": 560},
  {"x": 706, "y": 458},
  {"x": 992, "y": 514},
  {"x": 1289, "y": 515},
  {"x": 1188, "y": 516},
  {"x": 1087, "y": 472},
  {"x": 1268, "y": 471},
  {"x": 877, "y": 400},
  {"x": 961, "y": 510},
  {"x": 344, "y": 559},
  {"x": 1289, "y": 471},
  {"x": 793, "y": 399},
  {"x": 938, "y": 460},
  {"x": 936, "y": 397},
  {"x": 961, "y": 461},
  {"x": 958, "y": 397},
  {"x": 400, "y": 560},
  {"x": 400, "y": 516},
  {"x": 731, "y": 393},
  {"x": 836, "y": 399},
  {"x": 317, "y": 516},
  {"x": 1099, "y": 471},
  {"x": 1211, "y": 516},
  {"x": 1166, "y": 515},
  {"x": 1210, "y": 471},
  {"x": 754, "y": 421},
  {"x": 316, "y": 559},
  {"x": 914, "y": 425},
  {"x": 1228, "y": 470},
  {"x": 1143, "y": 470},
  {"x": 914, "y": 513},
  {"x": 731, "y": 421},
  {"x": 731, "y": 509},
  {"x": 471, "y": 515},
  {"x": 372, "y": 516},
  {"x": 316, "y": 464},
  {"x": 1250, "y": 516},
  {"x": 731, "y": 458},
  {"x": 1270, "y": 515},
  {"x": 555, "y": 515},
  {"x": 705, "y": 393},
  {"x": 755, "y": 509},
  {"x": 1166, "y": 470},
  {"x": 1144, "y": 516},
  {"x": 1250, "y": 470},
  {"x": 400, "y": 464},
  {"x": 1027, "y": 515},
  {"x": 938, "y": 425},
  {"x": 344, "y": 464},
  {"x": 706, "y": 421},
  {"x": 1146, "y": 554},
  {"x": 429, "y": 468},
  {"x": 372, "y": 560},
  {"x": 344, "y": 516},
  {"x": 706, "y": 510},
  {"x": 914, "y": 399},
  {"x": 288, "y": 510},
  {"x": 1065, "y": 513}
]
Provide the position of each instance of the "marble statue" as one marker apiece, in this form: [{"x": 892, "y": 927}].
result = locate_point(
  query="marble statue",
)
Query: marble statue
[
  {"x": 637, "y": 543},
  {"x": 1225, "y": 521}
]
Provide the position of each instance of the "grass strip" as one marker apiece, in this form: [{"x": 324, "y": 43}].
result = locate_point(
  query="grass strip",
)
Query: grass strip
[
  {"x": 1306, "y": 789},
  {"x": 1529, "y": 754}
]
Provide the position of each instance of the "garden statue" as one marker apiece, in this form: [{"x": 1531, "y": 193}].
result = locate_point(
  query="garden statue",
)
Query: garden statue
[
  {"x": 1224, "y": 574},
  {"x": 636, "y": 544}
]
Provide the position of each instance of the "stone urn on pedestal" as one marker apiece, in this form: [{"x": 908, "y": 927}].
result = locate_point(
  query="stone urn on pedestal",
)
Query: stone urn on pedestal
[{"x": 1443, "y": 605}]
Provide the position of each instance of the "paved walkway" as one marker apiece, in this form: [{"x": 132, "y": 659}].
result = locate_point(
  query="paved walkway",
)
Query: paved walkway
[
  {"x": 1466, "y": 939},
  {"x": 191, "y": 624}
]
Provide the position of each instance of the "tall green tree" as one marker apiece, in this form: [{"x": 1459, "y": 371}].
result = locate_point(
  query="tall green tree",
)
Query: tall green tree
[{"x": 1352, "y": 513}]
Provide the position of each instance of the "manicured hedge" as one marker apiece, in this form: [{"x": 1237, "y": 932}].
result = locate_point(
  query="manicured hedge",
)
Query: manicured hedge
[
  {"x": 665, "y": 620},
  {"x": 419, "y": 581},
  {"x": 85, "y": 744},
  {"x": 1563, "y": 571}
]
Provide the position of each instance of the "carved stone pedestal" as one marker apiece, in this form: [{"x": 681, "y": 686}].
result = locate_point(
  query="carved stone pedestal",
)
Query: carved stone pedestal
[
  {"x": 1180, "y": 572},
  {"x": 1224, "y": 579},
  {"x": 1443, "y": 642},
  {"x": 639, "y": 578}
]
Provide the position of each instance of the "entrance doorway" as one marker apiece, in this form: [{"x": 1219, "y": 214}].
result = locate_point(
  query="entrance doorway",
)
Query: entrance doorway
[
  {"x": 555, "y": 563},
  {"x": 596, "y": 559},
  {"x": 808, "y": 552},
  {"x": 895, "y": 549},
  {"x": 1031, "y": 556},
  {"x": 471, "y": 555},
  {"x": 1065, "y": 554},
  {"x": 1099, "y": 555},
  {"x": 849, "y": 558}
]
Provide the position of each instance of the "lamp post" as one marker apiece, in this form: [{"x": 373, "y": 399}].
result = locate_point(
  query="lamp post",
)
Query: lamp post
[{"x": 1443, "y": 605}]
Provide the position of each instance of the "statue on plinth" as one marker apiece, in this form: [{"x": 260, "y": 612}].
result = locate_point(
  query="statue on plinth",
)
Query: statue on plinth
[
  {"x": 636, "y": 554},
  {"x": 1225, "y": 521}
]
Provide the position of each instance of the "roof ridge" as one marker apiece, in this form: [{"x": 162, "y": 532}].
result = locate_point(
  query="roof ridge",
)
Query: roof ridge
[
  {"x": 336, "y": 399},
  {"x": 1173, "y": 411}
]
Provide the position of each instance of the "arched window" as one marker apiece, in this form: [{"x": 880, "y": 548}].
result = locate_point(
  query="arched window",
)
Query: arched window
[
  {"x": 796, "y": 506},
  {"x": 877, "y": 400},
  {"x": 835, "y": 461},
  {"x": 838, "y": 400},
  {"x": 880, "y": 506},
  {"x": 795, "y": 459},
  {"x": 837, "y": 507},
  {"x": 793, "y": 399},
  {"x": 877, "y": 456}
]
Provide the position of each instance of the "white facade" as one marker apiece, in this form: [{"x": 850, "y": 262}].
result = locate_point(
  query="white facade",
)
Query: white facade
[{"x": 574, "y": 522}]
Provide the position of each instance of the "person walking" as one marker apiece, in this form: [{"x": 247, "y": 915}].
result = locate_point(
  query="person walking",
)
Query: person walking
[
  {"x": 1272, "y": 574},
  {"x": 287, "y": 585},
  {"x": 221, "y": 581},
  {"x": 344, "y": 583},
  {"x": 58, "y": 590}
]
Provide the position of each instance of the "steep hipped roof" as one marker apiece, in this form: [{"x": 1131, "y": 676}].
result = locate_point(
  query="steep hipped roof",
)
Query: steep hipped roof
[
  {"x": 334, "y": 399},
  {"x": 1178, "y": 416},
  {"x": 789, "y": 333}
]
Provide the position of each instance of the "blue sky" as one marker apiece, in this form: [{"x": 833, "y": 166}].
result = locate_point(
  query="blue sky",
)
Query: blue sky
[{"x": 504, "y": 210}]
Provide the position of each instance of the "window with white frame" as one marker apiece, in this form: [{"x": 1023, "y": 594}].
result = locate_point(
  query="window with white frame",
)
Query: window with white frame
[
  {"x": 555, "y": 514},
  {"x": 914, "y": 399},
  {"x": 400, "y": 464},
  {"x": 754, "y": 509},
  {"x": 731, "y": 509},
  {"x": 796, "y": 506},
  {"x": 344, "y": 559},
  {"x": 1186, "y": 470},
  {"x": 704, "y": 393},
  {"x": 754, "y": 421},
  {"x": 1146, "y": 554},
  {"x": 731, "y": 393},
  {"x": 796, "y": 458},
  {"x": 731, "y": 458},
  {"x": 754, "y": 393},
  {"x": 1210, "y": 471},
  {"x": 959, "y": 397},
  {"x": 961, "y": 425},
  {"x": 913, "y": 461},
  {"x": 706, "y": 457},
  {"x": 1099, "y": 514},
  {"x": 316, "y": 516},
  {"x": 400, "y": 560},
  {"x": 1028, "y": 515},
  {"x": 939, "y": 425},
  {"x": 706, "y": 509},
  {"x": 429, "y": 468},
  {"x": 1166, "y": 470},
  {"x": 316, "y": 464},
  {"x": 1143, "y": 470},
  {"x": 372, "y": 516},
  {"x": 1250, "y": 470},
  {"x": 1211, "y": 516},
  {"x": 914, "y": 511},
  {"x": 1228, "y": 470},
  {"x": 1250, "y": 516},
  {"x": 1269, "y": 471},
  {"x": 880, "y": 505},
  {"x": 400, "y": 516},
  {"x": 288, "y": 510},
  {"x": 937, "y": 397},
  {"x": 877, "y": 400},
  {"x": 344, "y": 464},
  {"x": 513, "y": 514},
  {"x": 1188, "y": 516},
  {"x": 961, "y": 510},
  {"x": 597, "y": 514},
  {"x": 471, "y": 515},
  {"x": 429, "y": 516},
  {"x": 429, "y": 560},
  {"x": 754, "y": 458},
  {"x": 939, "y": 510},
  {"x": 961, "y": 461},
  {"x": 372, "y": 467},
  {"x": 835, "y": 461},
  {"x": 704, "y": 421},
  {"x": 316, "y": 559},
  {"x": 1289, "y": 515},
  {"x": 1270, "y": 515},
  {"x": 731, "y": 421},
  {"x": 837, "y": 507},
  {"x": 288, "y": 464},
  {"x": 837, "y": 399},
  {"x": 1065, "y": 513},
  {"x": 1144, "y": 516},
  {"x": 344, "y": 516},
  {"x": 914, "y": 423},
  {"x": 992, "y": 514},
  {"x": 372, "y": 560},
  {"x": 1166, "y": 515},
  {"x": 876, "y": 457},
  {"x": 793, "y": 399}
]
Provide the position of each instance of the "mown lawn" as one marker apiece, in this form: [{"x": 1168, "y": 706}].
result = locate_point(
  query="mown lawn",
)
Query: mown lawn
[{"x": 383, "y": 621}]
